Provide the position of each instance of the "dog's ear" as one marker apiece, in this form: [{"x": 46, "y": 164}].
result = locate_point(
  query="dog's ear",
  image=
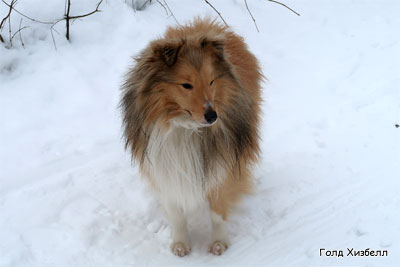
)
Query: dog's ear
[
  {"x": 217, "y": 45},
  {"x": 167, "y": 52}
]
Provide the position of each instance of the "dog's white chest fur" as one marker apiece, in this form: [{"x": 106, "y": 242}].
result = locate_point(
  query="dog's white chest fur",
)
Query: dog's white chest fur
[{"x": 174, "y": 161}]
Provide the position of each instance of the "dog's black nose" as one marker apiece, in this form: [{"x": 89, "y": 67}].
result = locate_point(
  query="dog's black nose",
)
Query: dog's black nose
[{"x": 210, "y": 116}]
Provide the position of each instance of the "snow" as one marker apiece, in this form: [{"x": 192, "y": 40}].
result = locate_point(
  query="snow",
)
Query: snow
[{"x": 329, "y": 174}]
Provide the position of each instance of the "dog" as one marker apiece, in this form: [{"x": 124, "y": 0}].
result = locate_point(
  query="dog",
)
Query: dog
[{"x": 191, "y": 113}]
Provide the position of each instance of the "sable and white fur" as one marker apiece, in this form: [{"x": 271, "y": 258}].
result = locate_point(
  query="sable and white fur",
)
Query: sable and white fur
[{"x": 189, "y": 159}]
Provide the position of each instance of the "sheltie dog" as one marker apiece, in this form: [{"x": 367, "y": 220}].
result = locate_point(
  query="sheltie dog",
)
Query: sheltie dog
[{"x": 191, "y": 111}]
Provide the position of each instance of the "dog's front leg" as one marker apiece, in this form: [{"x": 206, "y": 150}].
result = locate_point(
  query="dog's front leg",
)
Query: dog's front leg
[
  {"x": 180, "y": 238},
  {"x": 219, "y": 236}
]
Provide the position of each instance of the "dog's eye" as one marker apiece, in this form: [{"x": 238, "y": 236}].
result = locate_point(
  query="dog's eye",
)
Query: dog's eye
[
  {"x": 211, "y": 83},
  {"x": 187, "y": 86}
]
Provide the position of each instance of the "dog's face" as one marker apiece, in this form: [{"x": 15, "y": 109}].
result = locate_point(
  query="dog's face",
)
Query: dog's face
[
  {"x": 193, "y": 81},
  {"x": 194, "y": 91}
]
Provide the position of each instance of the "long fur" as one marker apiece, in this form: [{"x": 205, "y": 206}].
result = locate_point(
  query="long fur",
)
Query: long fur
[{"x": 187, "y": 164}]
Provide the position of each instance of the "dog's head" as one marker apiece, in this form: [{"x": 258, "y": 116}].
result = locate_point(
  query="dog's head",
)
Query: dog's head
[{"x": 188, "y": 80}]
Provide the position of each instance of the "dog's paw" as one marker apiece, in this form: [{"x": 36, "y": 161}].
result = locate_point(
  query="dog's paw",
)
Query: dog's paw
[
  {"x": 180, "y": 249},
  {"x": 218, "y": 247}
]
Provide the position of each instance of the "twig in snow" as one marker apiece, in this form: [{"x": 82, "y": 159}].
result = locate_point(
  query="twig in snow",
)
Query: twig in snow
[
  {"x": 52, "y": 23},
  {"x": 219, "y": 14},
  {"x": 254, "y": 20},
  {"x": 25, "y": 16},
  {"x": 51, "y": 31},
  {"x": 9, "y": 28},
  {"x": 20, "y": 35},
  {"x": 144, "y": 4},
  {"x": 170, "y": 11},
  {"x": 279, "y": 3},
  {"x": 161, "y": 4},
  {"x": 11, "y": 6},
  {"x": 133, "y": 6},
  {"x": 19, "y": 31},
  {"x": 67, "y": 17},
  {"x": 90, "y": 13},
  {"x": 3, "y": 21}
]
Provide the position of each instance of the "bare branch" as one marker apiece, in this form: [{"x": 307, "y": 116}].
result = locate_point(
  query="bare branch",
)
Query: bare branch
[
  {"x": 67, "y": 17},
  {"x": 254, "y": 20},
  {"x": 19, "y": 30},
  {"x": 279, "y": 3},
  {"x": 51, "y": 31},
  {"x": 25, "y": 16},
  {"x": 219, "y": 14},
  {"x": 161, "y": 4},
  {"x": 52, "y": 37},
  {"x": 3, "y": 21},
  {"x": 20, "y": 35},
  {"x": 88, "y": 14},
  {"x": 133, "y": 6},
  {"x": 11, "y": 6},
  {"x": 9, "y": 28},
  {"x": 170, "y": 11},
  {"x": 144, "y": 4}
]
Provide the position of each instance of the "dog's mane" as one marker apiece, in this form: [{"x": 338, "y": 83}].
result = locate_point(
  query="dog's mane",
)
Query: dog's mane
[{"x": 232, "y": 142}]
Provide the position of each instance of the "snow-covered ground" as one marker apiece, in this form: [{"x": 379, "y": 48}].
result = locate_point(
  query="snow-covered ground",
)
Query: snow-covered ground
[{"x": 330, "y": 170}]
